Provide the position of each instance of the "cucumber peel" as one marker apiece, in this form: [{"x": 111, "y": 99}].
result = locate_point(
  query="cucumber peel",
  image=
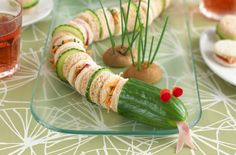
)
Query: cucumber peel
[
  {"x": 141, "y": 102},
  {"x": 69, "y": 28}
]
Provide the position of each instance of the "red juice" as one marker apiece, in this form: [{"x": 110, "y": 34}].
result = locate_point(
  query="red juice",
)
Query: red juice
[
  {"x": 220, "y": 6},
  {"x": 216, "y": 9},
  {"x": 9, "y": 43}
]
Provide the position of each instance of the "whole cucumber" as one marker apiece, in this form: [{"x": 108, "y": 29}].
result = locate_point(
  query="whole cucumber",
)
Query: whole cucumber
[{"x": 141, "y": 102}]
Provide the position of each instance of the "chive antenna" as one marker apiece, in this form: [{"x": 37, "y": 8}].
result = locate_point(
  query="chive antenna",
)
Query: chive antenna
[
  {"x": 160, "y": 40},
  {"x": 146, "y": 31},
  {"x": 150, "y": 53}
]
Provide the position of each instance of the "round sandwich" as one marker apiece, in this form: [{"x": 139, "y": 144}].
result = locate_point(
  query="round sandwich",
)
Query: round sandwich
[
  {"x": 63, "y": 39},
  {"x": 73, "y": 60},
  {"x": 76, "y": 69},
  {"x": 226, "y": 28},
  {"x": 85, "y": 29},
  {"x": 63, "y": 48},
  {"x": 225, "y": 52},
  {"x": 110, "y": 20},
  {"x": 82, "y": 79},
  {"x": 107, "y": 90},
  {"x": 61, "y": 61},
  {"x": 58, "y": 36},
  {"x": 96, "y": 83},
  {"x": 90, "y": 17}
]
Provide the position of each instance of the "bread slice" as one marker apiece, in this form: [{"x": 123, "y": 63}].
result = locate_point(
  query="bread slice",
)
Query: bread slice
[
  {"x": 82, "y": 79},
  {"x": 72, "y": 60},
  {"x": 116, "y": 94},
  {"x": 97, "y": 84},
  {"x": 85, "y": 29},
  {"x": 93, "y": 20},
  {"x": 64, "y": 39},
  {"x": 107, "y": 90},
  {"x": 77, "y": 68}
]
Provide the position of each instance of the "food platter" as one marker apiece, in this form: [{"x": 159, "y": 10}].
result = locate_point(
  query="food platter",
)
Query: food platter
[
  {"x": 207, "y": 41},
  {"x": 57, "y": 106}
]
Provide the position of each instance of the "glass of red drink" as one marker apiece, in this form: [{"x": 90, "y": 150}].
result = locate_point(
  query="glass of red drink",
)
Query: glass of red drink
[
  {"x": 216, "y": 9},
  {"x": 10, "y": 30}
]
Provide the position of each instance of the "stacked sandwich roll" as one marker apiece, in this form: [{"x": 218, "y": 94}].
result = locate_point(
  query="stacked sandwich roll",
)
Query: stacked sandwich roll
[{"x": 74, "y": 65}]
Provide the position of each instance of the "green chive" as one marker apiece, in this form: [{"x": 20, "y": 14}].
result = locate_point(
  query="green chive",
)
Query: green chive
[
  {"x": 146, "y": 31},
  {"x": 130, "y": 47},
  {"x": 110, "y": 34},
  {"x": 160, "y": 39},
  {"x": 122, "y": 21},
  {"x": 139, "y": 50},
  {"x": 150, "y": 54},
  {"x": 136, "y": 19},
  {"x": 126, "y": 18}
]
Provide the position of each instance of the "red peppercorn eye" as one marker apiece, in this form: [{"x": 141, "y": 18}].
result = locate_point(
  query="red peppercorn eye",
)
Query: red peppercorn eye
[
  {"x": 165, "y": 95},
  {"x": 177, "y": 91}
]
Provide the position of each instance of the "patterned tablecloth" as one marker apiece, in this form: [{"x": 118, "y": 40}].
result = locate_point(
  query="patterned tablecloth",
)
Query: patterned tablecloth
[{"x": 20, "y": 133}]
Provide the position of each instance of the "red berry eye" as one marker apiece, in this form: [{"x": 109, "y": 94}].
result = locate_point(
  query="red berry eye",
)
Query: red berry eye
[
  {"x": 165, "y": 95},
  {"x": 177, "y": 91}
]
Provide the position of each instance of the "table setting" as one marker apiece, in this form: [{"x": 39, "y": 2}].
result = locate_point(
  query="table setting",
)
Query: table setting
[{"x": 117, "y": 77}]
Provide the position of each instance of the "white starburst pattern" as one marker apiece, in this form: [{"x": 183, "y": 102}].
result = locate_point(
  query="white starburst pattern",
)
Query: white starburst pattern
[{"x": 27, "y": 134}]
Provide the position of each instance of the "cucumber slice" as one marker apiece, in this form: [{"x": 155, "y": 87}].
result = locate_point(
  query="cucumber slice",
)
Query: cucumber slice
[
  {"x": 95, "y": 74},
  {"x": 26, "y": 4},
  {"x": 61, "y": 61},
  {"x": 141, "y": 102},
  {"x": 92, "y": 13},
  {"x": 70, "y": 29}
]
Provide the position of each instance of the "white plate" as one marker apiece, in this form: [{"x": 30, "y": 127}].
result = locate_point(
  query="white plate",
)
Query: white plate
[
  {"x": 38, "y": 12},
  {"x": 207, "y": 41}
]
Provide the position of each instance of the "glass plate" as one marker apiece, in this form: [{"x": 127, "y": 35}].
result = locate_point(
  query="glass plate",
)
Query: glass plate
[{"x": 58, "y": 107}]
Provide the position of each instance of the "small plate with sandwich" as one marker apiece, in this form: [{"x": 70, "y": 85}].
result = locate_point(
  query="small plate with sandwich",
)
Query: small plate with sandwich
[
  {"x": 218, "y": 48},
  {"x": 35, "y": 10}
]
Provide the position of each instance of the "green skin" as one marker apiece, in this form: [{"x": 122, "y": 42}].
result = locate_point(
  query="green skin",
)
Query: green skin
[
  {"x": 68, "y": 28},
  {"x": 27, "y": 5},
  {"x": 141, "y": 102},
  {"x": 61, "y": 61},
  {"x": 222, "y": 35}
]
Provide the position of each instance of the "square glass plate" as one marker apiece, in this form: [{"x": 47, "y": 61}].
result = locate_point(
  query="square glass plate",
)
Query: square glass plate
[{"x": 58, "y": 107}]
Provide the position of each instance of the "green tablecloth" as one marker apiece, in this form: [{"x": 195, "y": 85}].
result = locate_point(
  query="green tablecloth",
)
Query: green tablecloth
[{"x": 20, "y": 133}]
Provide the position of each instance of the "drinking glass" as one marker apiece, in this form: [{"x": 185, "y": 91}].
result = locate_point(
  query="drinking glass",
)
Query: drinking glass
[
  {"x": 10, "y": 31},
  {"x": 216, "y": 9}
]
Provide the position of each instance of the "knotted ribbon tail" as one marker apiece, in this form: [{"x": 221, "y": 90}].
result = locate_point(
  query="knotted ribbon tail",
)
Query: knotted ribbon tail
[{"x": 184, "y": 137}]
